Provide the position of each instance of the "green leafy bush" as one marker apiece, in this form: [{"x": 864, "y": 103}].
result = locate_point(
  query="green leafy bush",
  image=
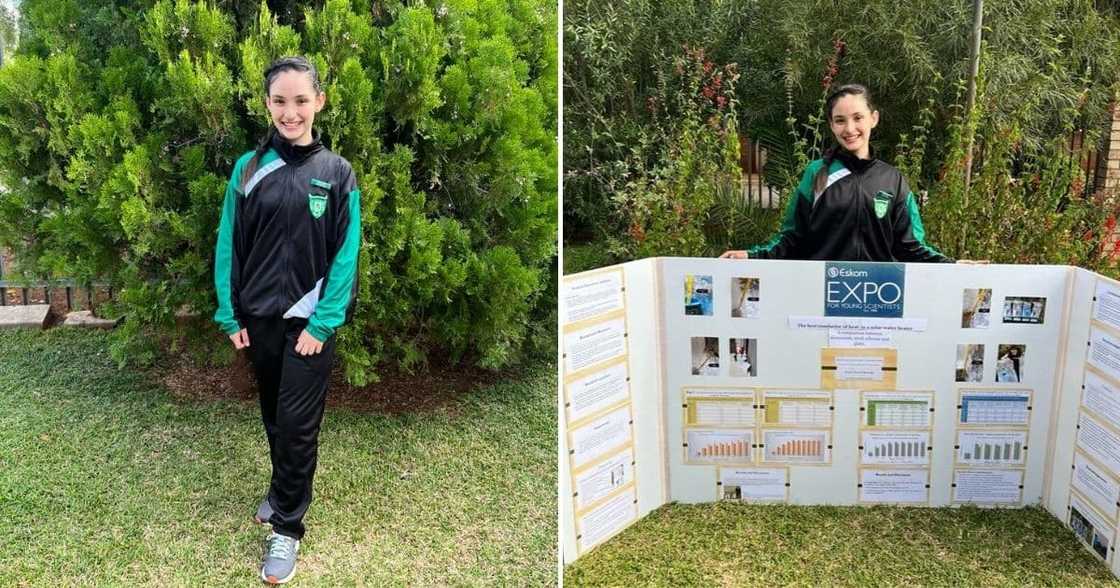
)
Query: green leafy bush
[{"x": 119, "y": 127}]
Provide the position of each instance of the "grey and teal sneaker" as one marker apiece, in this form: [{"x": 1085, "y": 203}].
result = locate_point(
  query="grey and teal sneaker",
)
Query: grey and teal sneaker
[
  {"x": 264, "y": 512},
  {"x": 279, "y": 559}
]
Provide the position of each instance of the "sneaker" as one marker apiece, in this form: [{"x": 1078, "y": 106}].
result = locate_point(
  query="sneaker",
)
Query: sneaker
[
  {"x": 264, "y": 512},
  {"x": 279, "y": 559}
]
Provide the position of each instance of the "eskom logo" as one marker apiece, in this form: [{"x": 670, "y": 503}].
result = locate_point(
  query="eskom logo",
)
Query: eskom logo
[{"x": 835, "y": 272}]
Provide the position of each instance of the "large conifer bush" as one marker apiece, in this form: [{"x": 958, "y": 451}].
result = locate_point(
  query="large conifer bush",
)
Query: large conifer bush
[{"x": 120, "y": 123}]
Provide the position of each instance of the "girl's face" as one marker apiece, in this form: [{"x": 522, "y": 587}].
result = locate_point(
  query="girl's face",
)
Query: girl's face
[
  {"x": 851, "y": 122},
  {"x": 292, "y": 101}
]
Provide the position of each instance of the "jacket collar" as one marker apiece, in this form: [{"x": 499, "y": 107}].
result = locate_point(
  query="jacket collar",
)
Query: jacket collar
[
  {"x": 852, "y": 162},
  {"x": 296, "y": 154}
]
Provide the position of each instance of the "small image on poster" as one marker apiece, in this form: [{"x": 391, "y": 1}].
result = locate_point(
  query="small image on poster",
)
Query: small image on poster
[
  {"x": 698, "y": 295},
  {"x": 970, "y": 363},
  {"x": 1023, "y": 309},
  {"x": 987, "y": 486},
  {"x": 753, "y": 484},
  {"x": 705, "y": 356},
  {"x": 894, "y": 486},
  {"x": 720, "y": 446},
  {"x": 798, "y": 447},
  {"x": 894, "y": 448},
  {"x": 1089, "y": 527},
  {"x": 1009, "y": 366},
  {"x": 600, "y": 480},
  {"x": 976, "y": 311},
  {"x": 744, "y": 297},
  {"x": 744, "y": 357}
]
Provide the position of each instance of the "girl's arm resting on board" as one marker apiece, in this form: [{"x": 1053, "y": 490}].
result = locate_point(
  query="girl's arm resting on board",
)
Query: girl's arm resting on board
[{"x": 330, "y": 312}]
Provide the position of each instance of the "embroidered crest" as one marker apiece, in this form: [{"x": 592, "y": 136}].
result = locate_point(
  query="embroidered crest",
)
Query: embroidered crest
[
  {"x": 318, "y": 204},
  {"x": 882, "y": 203}
]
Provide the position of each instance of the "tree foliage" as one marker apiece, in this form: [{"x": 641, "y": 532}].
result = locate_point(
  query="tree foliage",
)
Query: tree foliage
[{"x": 120, "y": 123}]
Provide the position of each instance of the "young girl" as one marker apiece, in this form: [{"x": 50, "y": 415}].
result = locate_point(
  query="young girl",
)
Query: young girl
[
  {"x": 849, "y": 205},
  {"x": 285, "y": 277}
]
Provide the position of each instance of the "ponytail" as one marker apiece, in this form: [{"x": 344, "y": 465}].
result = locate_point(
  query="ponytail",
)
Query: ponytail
[
  {"x": 821, "y": 177},
  {"x": 254, "y": 161}
]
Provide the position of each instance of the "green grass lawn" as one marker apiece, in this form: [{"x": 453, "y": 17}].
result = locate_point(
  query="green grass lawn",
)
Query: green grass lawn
[
  {"x": 107, "y": 479},
  {"x": 725, "y": 544}
]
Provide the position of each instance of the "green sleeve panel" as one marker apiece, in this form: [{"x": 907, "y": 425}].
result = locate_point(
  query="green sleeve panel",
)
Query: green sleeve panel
[
  {"x": 785, "y": 242},
  {"x": 910, "y": 238},
  {"x": 330, "y": 312},
  {"x": 226, "y": 269}
]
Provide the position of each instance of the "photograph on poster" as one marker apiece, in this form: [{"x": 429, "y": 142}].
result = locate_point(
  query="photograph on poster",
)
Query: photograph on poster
[
  {"x": 744, "y": 357},
  {"x": 1107, "y": 307},
  {"x": 1102, "y": 397},
  {"x": 592, "y": 296},
  {"x": 597, "y": 391},
  {"x": 896, "y": 409},
  {"x": 976, "y": 310},
  {"x": 990, "y": 448},
  {"x": 594, "y": 345},
  {"x": 796, "y": 446},
  {"x": 1096, "y": 485},
  {"x": 987, "y": 486},
  {"x": 705, "y": 356},
  {"x": 719, "y": 412},
  {"x": 1022, "y": 309},
  {"x": 599, "y": 481},
  {"x": 1009, "y": 365},
  {"x": 720, "y": 446},
  {"x": 970, "y": 363},
  {"x": 744, "y": 297},
  {"x": 994, "y": 407},
  {"x": 797, "y": 408},
  {"x": 894, "y": 485},
  {"x": 1089, "y": 527},
  {"x": 894, "y": 448},
  {"x": 753, "y": 484},
  {"x": 698, "y": 295}
]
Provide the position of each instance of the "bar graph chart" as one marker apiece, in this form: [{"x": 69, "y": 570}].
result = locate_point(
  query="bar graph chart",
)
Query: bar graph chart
[
  {"x": 720, "y": 446},
  {"x": 992, "y": 448},
  {"x": 796, "y": 446},
  {"x": 880, "y": 447}
]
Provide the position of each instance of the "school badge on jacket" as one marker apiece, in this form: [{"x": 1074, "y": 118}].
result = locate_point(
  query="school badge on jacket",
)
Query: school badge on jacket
[
  {"x": 318, "y": 204},
  {"x": 882, "y": 202}
]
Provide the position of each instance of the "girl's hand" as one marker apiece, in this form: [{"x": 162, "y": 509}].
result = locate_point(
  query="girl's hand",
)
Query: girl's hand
[
  {"x": 734, "y": 254},
  {"x": 973, "y": 261},
  {"x": 240, "y": 339},
  {"x": 308, "y": 345}
]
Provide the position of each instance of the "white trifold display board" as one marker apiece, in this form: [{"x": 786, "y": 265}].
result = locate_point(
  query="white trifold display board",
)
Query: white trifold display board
[{"x": 695, "y": 380}]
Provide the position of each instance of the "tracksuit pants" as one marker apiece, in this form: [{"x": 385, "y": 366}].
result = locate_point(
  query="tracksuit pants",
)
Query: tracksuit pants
[{"x": 293, "y": 392}]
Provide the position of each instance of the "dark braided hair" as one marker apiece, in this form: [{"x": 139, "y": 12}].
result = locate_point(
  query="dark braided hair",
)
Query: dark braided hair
[
  {"x": 297, "y": 63},
  {"x": 821, "y": 177}
]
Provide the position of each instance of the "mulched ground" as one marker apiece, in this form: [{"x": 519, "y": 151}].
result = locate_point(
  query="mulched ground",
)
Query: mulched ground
[{"x": 439, "y": 388}]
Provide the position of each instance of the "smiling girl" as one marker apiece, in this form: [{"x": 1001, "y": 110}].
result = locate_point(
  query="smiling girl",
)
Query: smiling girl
[
  {"x": 849, "y": 205},
  {"x": 285, "y": 267}
]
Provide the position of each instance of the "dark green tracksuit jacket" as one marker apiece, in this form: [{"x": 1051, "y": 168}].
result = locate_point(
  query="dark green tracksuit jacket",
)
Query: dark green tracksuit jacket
[
  {"x": 865, "y": 213},
  {"x": 288, "y": 242}
]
